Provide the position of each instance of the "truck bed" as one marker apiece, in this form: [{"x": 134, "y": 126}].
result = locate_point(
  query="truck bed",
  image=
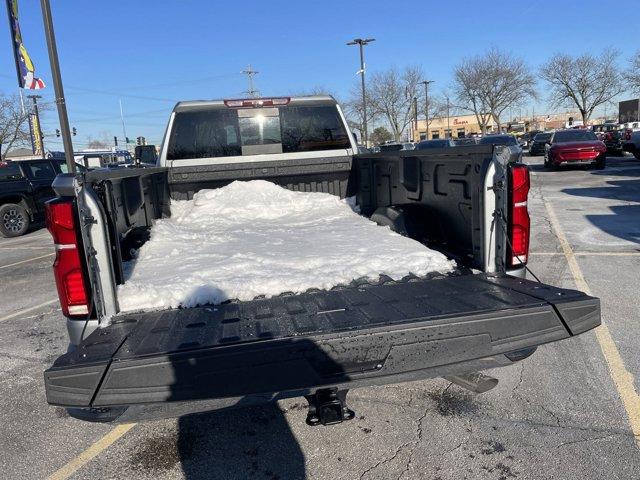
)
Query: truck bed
[{"x": 289, "y": 345}]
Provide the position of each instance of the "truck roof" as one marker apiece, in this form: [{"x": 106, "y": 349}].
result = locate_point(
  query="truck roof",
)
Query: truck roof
[{"x": 220, "y": 103}]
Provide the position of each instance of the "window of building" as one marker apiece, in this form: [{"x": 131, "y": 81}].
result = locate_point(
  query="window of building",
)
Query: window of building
[
  {"x": 447, "y": 133},
  {"x": 423, "y": 135},
  {"x": 435, "y": 134},
  {"x": 461, "y": 133}
]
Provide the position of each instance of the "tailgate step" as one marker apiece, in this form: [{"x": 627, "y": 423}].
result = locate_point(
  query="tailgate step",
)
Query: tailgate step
[{"x": 367, "y": 334}]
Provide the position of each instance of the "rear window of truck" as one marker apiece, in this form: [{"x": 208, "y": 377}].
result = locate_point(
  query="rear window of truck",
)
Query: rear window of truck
[
  {"x": 225, "y": 132},
  {"x": 9, "y": 171}
]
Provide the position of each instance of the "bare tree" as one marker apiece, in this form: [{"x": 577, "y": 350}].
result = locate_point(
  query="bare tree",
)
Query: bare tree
[
  {"x": 391, "y": 95},
  {"x": 586, "y": 81},
  {"x": 14, "y": 124},
  {"x": 632, "y": 74},
  {"x": 97, "y": 143},
  {"x": 491, "y": 83}
]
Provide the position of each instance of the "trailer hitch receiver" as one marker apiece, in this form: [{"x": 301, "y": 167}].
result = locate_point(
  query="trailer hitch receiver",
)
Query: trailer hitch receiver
[{"x": 328, "y": 406}]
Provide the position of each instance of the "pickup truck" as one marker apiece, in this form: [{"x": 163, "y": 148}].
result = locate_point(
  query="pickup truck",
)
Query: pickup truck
[
  {"x": 468, "y": 202},
  {"x": 25, "y": 186}
]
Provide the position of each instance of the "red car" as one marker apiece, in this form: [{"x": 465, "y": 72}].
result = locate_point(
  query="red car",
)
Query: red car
[{"x": 575, "y": 147}]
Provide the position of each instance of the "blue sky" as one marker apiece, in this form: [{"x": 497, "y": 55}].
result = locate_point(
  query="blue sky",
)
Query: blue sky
[{"x": 151, "y": 54}]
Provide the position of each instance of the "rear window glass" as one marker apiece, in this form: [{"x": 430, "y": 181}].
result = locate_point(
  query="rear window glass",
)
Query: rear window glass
[
  {"x": 9, "y": 171},
  {"x": 574, "y": 136},
  {"x": 41, "y": 170},
  {"x": 498, "y": 140},
  {"x": 220, "y": 132},
  {"x": 542, "y": 137}
]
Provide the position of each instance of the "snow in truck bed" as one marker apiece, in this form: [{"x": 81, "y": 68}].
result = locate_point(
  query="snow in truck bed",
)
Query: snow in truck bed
[{"x": 255, "y": 238}]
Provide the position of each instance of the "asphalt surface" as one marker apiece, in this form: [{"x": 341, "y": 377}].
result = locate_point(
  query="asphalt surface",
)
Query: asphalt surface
[{"x": 555, "y": 415}]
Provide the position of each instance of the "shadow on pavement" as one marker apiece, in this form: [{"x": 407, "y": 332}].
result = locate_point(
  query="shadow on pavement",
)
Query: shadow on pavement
[
  {"x": 624, "y": 221},
  {"x": 239, "y": 444}
]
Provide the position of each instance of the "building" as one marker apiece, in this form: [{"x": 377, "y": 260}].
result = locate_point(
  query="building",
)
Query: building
[{"x": 457, "y": 126}]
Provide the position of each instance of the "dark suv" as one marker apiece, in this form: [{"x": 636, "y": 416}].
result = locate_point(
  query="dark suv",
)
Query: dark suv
[{"x": 24, "y": 187}]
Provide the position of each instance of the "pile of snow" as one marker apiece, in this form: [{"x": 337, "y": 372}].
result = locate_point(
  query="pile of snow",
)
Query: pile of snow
[{"x": 256, "y": 238}]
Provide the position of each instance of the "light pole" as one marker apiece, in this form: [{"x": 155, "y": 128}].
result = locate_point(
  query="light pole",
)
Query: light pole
[
  {"x": 448, "y": 118},
  {"x": 57, "y": 85},
  {"x": 426, "y": 103},
  {"x": 361, "y": 42}
]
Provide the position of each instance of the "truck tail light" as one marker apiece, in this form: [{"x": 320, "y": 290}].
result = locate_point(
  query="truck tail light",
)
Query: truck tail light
[
  {"x": 67, "y": 267},
  {"x": 519, "y": 225}
]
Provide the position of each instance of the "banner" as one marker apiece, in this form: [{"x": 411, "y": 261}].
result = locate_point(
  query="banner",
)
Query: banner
[
  {"x": 36, "y": 135},
  {"x": 24, "y": 65}
]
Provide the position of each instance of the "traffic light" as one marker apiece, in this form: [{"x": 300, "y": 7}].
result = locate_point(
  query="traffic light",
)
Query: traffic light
[
  {"x": 115, "y": 141},
  {"x": 141, "y": 141},
  {"x": 73, "y": 131},
  {"x": 57, "y": 132},
  {"x": 127, "y": 140}
]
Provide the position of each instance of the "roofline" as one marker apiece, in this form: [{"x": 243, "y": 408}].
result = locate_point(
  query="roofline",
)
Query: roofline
[{"x": 220, "y": 102}]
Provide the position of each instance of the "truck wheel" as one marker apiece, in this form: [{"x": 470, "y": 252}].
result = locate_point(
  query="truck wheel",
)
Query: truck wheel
[{"x": 14, "y": 220}]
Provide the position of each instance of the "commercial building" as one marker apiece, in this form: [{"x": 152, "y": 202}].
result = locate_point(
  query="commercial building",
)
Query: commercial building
[{"x": 450, "y": 127}]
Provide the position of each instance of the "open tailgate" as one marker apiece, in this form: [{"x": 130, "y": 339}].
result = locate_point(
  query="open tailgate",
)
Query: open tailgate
[{"x": 351, "y": 336}]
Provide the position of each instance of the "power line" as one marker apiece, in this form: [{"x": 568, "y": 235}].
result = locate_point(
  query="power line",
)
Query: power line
[{"x": 250, "y": 73}]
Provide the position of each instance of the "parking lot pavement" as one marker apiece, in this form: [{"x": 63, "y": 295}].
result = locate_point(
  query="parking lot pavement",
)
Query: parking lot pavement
[{"x": 558, "y": 414}]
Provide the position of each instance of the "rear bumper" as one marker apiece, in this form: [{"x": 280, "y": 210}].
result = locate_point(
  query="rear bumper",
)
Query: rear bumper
[
  {"x": 555, "y": 160},
  {"x": 412, "y": 331}
]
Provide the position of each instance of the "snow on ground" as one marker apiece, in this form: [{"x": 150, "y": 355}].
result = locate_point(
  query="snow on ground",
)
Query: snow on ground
[{"x": 256, "y": 238}]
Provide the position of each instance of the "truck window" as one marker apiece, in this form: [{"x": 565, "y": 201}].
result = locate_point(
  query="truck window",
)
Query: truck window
[
  {"x": 306, "y": 129},
  {"x": 9, "y": 171},
  {"x": 39, "y": 170},
  {"x": 224, "y": 132}
]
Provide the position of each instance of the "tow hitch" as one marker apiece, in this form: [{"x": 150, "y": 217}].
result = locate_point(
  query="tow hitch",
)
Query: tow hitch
[{"x": 328, "y": 406}]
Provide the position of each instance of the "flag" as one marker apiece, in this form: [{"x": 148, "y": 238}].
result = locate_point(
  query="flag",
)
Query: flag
[{"x": 24, "y": 65}]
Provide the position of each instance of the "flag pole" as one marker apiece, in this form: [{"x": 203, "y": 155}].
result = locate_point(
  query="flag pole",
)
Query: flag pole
[{"x": 57, "y": 85}]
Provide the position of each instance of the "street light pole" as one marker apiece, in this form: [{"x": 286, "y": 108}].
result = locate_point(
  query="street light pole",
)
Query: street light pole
[
  {"x": 426, "y": 103},
  {"x": 448, "y": 118},
  {"x": 57, "y": 85},
  {"x": 361, "y": 43}
]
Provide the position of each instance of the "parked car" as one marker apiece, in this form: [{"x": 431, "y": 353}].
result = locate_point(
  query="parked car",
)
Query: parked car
[
  {"x": 611, "y": 135},
  {"x": 25, "y": 186},
  {"x": 437, "y": 143},
  {"x": 396, "y": 147},
  {"x": 631, "y": 144},
  {"x": 526, "y": 139},
  {"x": 153, "y": 364},
  {"x": 504, "y": 140},
  {"x": 538, "y": 143},
  {"x": 465, "y": 141},
  {"x": 575, "y": 147}
]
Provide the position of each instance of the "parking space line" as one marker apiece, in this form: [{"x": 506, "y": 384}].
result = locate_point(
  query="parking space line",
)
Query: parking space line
[
  {"x": 27, "y": 310},
  {"x": 622, "y": 378},
  {"x": 90, "y": 453},
  {"x": 27, "y": 260}
]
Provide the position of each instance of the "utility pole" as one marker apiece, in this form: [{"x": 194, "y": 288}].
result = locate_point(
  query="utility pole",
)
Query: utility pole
[
  {"x": 416, "y": 135},
  {"x": 448, "y": 118},
  {"x": 361, "y": 42},
  {"x": 249, "y": 72},
  {"x": 426, "y": 103},
  {"x": 57, "y": 85},
  {"x": 124, "y": 131},
  {"x": 34, "y": 99}
]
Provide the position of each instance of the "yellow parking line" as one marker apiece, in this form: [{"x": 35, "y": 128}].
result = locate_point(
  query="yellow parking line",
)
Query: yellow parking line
[
  {"x": 27, "y": 260},
  {"x": 622, "y": 378},
  {"x": 90, "y": 453}
]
